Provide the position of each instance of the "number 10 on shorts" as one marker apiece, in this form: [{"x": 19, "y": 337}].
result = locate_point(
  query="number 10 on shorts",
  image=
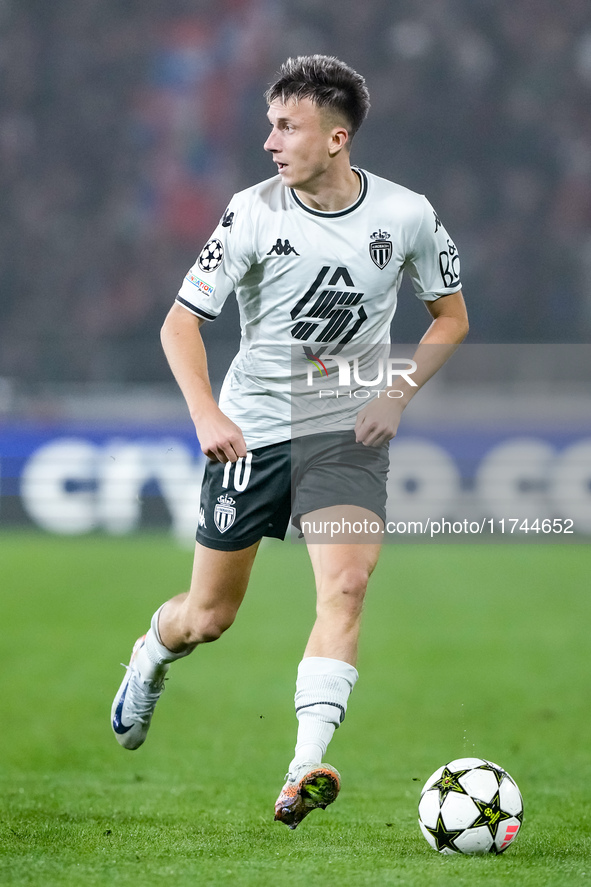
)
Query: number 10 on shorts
[{"x": 242, "y": 468}]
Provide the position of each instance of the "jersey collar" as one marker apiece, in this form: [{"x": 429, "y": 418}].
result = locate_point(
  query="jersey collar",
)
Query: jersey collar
[{"x": 341, "y": 212}]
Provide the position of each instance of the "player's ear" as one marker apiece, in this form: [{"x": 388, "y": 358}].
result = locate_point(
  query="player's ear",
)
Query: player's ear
[{"x": 339, "y": 138}]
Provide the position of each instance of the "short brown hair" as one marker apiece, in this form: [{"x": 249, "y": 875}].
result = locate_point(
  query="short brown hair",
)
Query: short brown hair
[{"x": 327, "y": 82}]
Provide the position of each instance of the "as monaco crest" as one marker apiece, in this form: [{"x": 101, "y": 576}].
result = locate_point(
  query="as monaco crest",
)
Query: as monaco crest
[
  {"x": 380, "y": 248},
  {"x": 224, "y": 514}
]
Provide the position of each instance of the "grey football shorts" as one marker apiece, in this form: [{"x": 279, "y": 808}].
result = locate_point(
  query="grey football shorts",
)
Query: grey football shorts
[{"x": 254, "y": 497}]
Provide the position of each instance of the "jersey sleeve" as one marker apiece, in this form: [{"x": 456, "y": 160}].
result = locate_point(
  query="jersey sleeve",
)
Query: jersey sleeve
[
  {"x": 433, "y": 262},
  {"x": 221, "y": 264}
]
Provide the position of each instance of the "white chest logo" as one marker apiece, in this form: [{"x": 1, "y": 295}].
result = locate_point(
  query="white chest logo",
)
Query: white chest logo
[{"x": 380, "y": 248}]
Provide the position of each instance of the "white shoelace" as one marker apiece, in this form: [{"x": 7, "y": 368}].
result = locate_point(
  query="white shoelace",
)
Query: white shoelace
[{"x": 142, "y": 695}]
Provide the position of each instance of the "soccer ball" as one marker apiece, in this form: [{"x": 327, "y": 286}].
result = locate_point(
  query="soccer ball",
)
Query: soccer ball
[{"x": 470, "y": 806}]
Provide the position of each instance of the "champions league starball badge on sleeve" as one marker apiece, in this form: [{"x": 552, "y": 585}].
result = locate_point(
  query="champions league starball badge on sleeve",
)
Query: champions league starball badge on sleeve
[{"x": 211, "y": 255}]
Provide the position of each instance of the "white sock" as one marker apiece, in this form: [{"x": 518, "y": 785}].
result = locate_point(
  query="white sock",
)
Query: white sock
[
  {"x": 153, "y": 659},
  {"x": 322, "y": 690}
]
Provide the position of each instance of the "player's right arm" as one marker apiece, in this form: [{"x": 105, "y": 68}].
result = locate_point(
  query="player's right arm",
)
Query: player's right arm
[{"x": 221, "y": 439}]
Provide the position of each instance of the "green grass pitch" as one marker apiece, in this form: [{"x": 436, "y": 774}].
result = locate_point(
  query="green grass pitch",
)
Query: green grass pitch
[{"x": 479, "y": 650}]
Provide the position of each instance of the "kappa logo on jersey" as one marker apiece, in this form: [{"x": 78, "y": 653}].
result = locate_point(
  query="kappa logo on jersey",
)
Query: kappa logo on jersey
[
  {"x": 211, "y": 255},
  {"x": 380, "y": 248},
  {"x": 227, "y": 220},
  {"x": 282, "y": 248},
  {"x": 201, "y": 522},
  {"x": 224, "y": 514}
]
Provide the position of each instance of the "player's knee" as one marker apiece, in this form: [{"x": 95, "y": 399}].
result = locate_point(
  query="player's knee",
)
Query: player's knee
[
  {"x": 348, "y": 587},
  {"x": 208, "y": 626},
  {"x": 352, "y": 580}
]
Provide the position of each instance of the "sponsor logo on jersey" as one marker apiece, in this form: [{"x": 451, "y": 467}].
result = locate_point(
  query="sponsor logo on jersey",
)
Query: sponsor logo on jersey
[
  {"x": 227, "y": 220},
  {"x": 224, "y": 514},
  {"x": 330, "y": 315},
  {"x": 449, "y": 264},
  {"x": 380, "y": 248},
  {"x": 211, "y": 255},
  {"x": 201, "y": 521},
  {"x": 282, "y": 248},
  {"x": 206, "y": 288}
]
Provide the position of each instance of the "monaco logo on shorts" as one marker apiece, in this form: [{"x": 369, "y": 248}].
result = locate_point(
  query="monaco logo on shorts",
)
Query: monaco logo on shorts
[{"x": 224, "y": 514}]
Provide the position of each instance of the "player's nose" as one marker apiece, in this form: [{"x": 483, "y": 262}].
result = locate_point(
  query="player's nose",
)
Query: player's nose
[{"x": 271, "y": 143}]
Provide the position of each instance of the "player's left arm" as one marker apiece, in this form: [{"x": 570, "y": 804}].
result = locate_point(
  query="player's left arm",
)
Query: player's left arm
[{"x": 378, "y": 421}]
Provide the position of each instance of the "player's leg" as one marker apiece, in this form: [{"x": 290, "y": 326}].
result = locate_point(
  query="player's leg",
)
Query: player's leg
[
  {"x": 202, "y": 614},
  {"x": 327, "y": 673},
  {"x": 218, "y": 586},
  {"x": 240, "y": 503},
  {"x": 341, "y": 570}
]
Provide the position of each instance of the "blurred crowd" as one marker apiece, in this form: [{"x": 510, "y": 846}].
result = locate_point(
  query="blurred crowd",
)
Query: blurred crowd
[{"x": 126, "y": 127}]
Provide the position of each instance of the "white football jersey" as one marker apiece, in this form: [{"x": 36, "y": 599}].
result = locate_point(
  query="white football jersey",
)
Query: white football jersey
[{"x": 305, "y": 278}]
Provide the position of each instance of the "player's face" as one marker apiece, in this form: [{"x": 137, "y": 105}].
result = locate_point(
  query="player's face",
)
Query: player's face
[{"x": 302, "y": 142}]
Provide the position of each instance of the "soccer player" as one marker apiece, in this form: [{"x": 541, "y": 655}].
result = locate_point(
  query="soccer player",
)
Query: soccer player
[{"x": 315, "y": 255}]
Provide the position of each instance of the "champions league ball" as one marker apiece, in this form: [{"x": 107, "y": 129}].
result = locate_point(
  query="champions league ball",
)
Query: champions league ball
[{"x": 470, "y": 806}]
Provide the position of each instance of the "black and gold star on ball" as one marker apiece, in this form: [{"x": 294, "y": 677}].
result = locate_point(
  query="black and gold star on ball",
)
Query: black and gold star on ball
[
  {"x": 449, "y": 782},
  {"x": 490, "y": 814},
  {"x": 444, "y": 838}
]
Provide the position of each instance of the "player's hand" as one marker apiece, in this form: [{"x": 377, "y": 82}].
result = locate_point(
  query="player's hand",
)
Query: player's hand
[
  {"x": 221, "y": 439},
  {"x": 378, "y": 422}
]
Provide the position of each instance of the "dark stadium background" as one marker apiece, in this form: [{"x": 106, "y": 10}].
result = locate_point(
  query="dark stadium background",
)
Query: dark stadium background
[{"x": 126, "y": 127}]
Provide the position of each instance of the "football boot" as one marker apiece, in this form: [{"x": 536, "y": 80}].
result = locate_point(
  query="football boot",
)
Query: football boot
[
  {"x": 308, "y": 787},
  {"x": 135, "y": 702}
]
